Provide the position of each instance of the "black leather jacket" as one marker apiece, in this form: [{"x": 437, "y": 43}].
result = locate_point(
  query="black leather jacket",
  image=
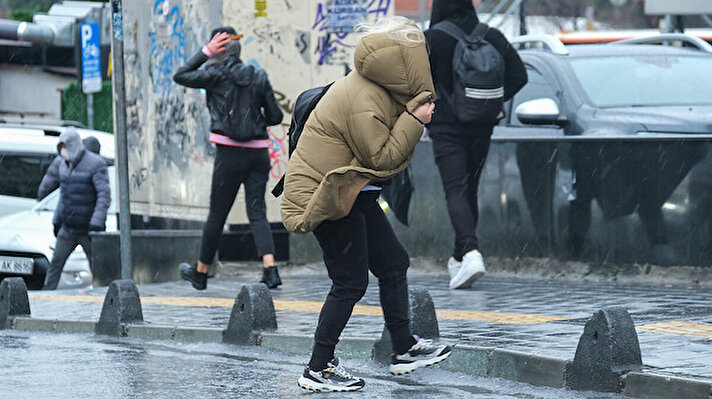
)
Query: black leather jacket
[{"x": 217, "y": 79}]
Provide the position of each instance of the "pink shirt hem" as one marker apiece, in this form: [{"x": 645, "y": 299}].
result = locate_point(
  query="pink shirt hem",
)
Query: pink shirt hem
[{"x": 224, "y": 140}]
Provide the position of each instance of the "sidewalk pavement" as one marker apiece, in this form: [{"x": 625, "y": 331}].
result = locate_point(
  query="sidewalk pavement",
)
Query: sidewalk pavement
[{"x": 536, "y": 316}]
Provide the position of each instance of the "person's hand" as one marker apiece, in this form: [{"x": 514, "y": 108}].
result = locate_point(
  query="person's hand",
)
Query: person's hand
[
  {"x": 94, "y": 227},
  {"x": 424, "y": 112},
  {"x": 218, "y": 42}
]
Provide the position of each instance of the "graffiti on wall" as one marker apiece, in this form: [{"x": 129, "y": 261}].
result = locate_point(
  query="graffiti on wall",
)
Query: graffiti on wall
[
  {"x": 167, "y": 45},
  {"x": 278, "y": 150},
  {"x": 332, "y": 48}
]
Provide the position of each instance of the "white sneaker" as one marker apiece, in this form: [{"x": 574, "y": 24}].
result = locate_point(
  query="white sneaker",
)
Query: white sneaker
[
  {"x": 473, "y": 267},
  {"x": 453, "y": 267}
]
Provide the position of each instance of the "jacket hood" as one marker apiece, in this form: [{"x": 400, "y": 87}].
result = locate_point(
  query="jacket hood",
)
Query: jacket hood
[
  {"x": 402, "y": 69},
  {"x": 92, "y": 144},
  {"x": 450, "y": 9},
  {"x": 73, "y": 142},
  {"x": 243, "y": 75}
]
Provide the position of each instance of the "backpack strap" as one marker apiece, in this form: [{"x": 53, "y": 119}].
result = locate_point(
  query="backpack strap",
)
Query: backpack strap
[{"x": 480, "y": 30}]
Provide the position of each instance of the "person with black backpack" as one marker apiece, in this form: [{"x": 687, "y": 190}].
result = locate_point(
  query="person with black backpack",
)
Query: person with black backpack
[
  {"x": 475, "y": 70},
  {"x": 241, "y": 104}
]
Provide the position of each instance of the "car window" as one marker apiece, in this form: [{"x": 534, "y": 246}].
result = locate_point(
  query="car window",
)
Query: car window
[
  {"x": 539, "y": 85},
  {"x": 22, "y": 173},
  {"x": 645, "y": 80}
]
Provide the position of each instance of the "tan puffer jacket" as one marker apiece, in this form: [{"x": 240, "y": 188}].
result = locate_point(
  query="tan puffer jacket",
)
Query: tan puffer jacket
[{"x": 358, "y": 133}]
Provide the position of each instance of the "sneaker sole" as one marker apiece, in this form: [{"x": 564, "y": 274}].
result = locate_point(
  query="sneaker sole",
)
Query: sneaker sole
[
  {"x": 468, "y": 283},
  {"x": 311, "y": 385},
  {"x": 405, "y": 368}
]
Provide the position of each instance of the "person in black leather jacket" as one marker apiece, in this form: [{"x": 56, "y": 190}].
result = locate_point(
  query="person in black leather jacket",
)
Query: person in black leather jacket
[{"x": 242, "y": 156}]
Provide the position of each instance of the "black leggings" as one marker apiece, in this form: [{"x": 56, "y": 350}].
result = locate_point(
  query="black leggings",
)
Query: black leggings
[
  {"x": 361, "y": 241},
  {"x": 460, "y": 160},
  {"x": 235, "y": 166}
]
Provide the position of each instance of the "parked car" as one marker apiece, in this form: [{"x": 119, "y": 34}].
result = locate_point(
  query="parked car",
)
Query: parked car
[
  {"x": 25, "y": 153},
  {"x": 27, "y": 244},
  {"x": 609, "y": 132}
]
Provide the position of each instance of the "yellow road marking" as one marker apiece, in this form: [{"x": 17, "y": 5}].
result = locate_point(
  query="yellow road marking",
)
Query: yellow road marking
[
  {"x": 686, "y": 328},
  {"x": 311, "y": 307}
]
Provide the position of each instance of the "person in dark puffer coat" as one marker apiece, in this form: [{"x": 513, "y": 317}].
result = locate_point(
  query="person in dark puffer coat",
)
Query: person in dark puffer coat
[{"x": 85, "y": 196}]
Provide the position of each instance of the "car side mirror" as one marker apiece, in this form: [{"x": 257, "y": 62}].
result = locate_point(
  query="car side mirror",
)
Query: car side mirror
[{"x": 542, "y": 111}]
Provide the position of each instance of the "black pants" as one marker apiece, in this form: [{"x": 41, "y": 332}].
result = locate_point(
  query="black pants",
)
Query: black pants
[
  {"x": 460, "y": 160},
  {"x": 235, "y": 166},
  {"x": 363, "y": 240}
]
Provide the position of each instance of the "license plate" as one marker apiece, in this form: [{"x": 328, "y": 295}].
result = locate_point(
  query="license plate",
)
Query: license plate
[{"x": 14, "y": 265}]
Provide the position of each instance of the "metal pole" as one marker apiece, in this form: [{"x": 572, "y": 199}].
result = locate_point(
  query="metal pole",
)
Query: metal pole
[
  {"x": 90, "y": 110},
  {"x": 423, "y": 13},
  {"x": 523, "y": 18},
  {"x": 117, "y": 44}
]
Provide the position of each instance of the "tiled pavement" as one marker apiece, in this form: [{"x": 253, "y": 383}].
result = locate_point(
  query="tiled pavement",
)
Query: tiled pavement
[{"x": 674, "y": 324}]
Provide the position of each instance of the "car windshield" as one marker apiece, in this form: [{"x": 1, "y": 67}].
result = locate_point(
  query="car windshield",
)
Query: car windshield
[{"x": 650, "y": 80}]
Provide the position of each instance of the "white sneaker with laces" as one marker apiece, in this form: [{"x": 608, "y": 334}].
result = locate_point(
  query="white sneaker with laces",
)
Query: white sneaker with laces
[
  {"x": 333, "y": 378},
  {"x": 423, "y": 353},
  {"x": 453, "y": 266},
  {"x": 473, "y": 267}
]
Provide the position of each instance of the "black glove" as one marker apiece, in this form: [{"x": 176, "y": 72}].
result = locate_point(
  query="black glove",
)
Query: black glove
[
  {"x": 93, "y": 227},
  {"x": 56, "y": 229}
]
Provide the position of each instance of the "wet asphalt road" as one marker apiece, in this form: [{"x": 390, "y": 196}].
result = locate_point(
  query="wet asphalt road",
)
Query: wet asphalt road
[{"x": 40, "y": 365}]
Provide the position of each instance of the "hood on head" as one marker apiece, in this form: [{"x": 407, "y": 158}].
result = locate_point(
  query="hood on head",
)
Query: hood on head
[
  {"x": 72, "y": 141},
  {"x": 230, "y": 56},
  {"x": 402, "y": 69},
  {"x": 222, "y": 29},
  {"x": 450, "y": 9},
  {"x": 92, "y": 144}
]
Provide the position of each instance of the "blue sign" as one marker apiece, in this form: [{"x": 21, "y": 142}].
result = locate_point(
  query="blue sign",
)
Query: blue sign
[
  {"x": 343, "y": 15},
  {"x": 91, "y": 58}
]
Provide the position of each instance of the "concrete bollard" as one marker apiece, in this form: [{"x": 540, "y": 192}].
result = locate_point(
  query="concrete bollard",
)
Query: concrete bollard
[
  {"x": 13, "y": 300},
  {"x": 122, "y": 305},
  {"x": 608, "y": 349},
  {"x": 423, "y": 323},
  {"x": 253, "y": 312}
]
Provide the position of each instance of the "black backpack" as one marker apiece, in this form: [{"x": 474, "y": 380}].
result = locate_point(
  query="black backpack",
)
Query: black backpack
[
  {"x": 477, "y": 75},
  {"x": 303, "y": 106},
  {"x": 241, "y": 122}
]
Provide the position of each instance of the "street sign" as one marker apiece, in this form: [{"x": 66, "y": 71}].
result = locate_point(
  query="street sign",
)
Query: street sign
[{"x": 91, "y": 58}]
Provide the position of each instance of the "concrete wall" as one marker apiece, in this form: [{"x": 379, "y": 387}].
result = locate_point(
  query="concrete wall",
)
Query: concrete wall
[
  {"x": 170, "y": 159},
  {"x": 46, "y": 89}
]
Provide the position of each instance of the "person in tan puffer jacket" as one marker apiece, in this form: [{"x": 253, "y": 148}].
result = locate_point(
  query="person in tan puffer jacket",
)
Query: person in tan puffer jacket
[{"x": 363, "y": 131}]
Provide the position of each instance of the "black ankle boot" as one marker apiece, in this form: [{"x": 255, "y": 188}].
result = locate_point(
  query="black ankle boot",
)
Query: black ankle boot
[
  {"x": 191, "y": 273},
  {"x": 270, "y": 277}
]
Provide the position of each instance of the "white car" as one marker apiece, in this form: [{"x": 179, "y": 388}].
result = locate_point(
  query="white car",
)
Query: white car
[
  {"x": 27, "y": 244},
  {"x": 25, "y": 154}
]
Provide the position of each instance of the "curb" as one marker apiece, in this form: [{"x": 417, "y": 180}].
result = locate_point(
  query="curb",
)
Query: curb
[{"x": 480, "y": 361}]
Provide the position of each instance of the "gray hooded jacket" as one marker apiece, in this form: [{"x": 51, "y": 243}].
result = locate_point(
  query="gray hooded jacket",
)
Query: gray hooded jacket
[{"x": 84, "y": 187}]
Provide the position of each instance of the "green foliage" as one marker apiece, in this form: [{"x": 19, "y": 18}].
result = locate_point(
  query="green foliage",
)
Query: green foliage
[
  {"x": 22, "y": 15},
  {"x": 74, "y": 106}
]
